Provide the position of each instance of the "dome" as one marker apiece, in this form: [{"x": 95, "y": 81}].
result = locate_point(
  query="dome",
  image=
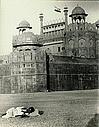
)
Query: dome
[
  {"x": 78, "y": 10},
  {"x": 97, "y": 23},
  {"x": 24, "y": 24},
  {"x": 27, "y": 37}
]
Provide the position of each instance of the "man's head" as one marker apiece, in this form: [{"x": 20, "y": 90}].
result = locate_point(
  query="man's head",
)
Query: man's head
[{"x": 30, "y": 109}]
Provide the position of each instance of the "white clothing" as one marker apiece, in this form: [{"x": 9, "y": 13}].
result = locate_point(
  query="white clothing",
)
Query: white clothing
[
  {"x": 19, "y": 111},
  {"x": 9, "y": 113},
  {"x": 35, "y": 113},
  {"x": 12, "y": 112}
]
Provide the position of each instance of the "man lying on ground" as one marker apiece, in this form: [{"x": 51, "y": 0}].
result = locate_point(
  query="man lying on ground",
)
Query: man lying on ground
[{"x": 22, "y": 111}]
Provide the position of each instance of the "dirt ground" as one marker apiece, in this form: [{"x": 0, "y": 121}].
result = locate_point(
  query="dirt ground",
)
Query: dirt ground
[{"x": 61, "y": 109}]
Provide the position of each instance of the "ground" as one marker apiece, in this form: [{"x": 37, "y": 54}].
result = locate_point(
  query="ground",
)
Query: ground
[{"x": 61, "y": 109}]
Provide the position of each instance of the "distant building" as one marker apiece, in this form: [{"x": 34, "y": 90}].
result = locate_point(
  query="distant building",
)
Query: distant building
[{"x": 63, "y": 57}]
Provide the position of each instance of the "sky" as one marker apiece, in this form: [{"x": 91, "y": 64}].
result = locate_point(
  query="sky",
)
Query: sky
[{"x": 12, "y": 12}]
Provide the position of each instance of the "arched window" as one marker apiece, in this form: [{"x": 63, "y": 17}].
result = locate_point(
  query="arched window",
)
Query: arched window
[
  {"x": 63, "y": 48},
  {"x": 83, "y": 53},
  {"x": 20, "y": 50},
  {"x": 58, "y": 49},
  {"x": 71, "y": 44},
  {"x": 91, "y": 43},
  {"x": 82, "y": 43}
]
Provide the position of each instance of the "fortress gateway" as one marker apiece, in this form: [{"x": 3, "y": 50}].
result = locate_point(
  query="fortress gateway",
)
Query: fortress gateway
[{"x": 63, "y": 57}]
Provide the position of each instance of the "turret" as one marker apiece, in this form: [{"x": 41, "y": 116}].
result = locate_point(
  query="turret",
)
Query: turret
[
  {"x": 66, "y": 18},
  {"x": 78, "y": 17},
  {"x": 41, "y": 23},
  {"x": 23, "y": 26}
]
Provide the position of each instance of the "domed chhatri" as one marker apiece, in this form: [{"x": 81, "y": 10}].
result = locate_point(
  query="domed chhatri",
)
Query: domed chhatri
[
  {"x": 78, "y": 11},
  {"x": 24, "y": 24},
  {"x": 78, "y": 16}
]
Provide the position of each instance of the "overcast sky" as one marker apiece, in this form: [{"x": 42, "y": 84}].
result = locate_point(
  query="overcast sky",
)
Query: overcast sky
[{"x": 12, "y": 12}]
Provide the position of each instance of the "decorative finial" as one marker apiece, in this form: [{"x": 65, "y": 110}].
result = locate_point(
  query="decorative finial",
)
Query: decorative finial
[{"x": 77, "y": 5}]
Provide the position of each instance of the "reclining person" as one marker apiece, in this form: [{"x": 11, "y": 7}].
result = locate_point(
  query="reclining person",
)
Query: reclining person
[
  {"x": 22, "y": 111},
  {"x": 31, "y": 111}
]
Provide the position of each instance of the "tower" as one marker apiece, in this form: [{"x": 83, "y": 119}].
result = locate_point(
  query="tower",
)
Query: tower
[
  {"x": 28, "y": 65},
  {"x": 66, "y": 18},
  {"x": 78, "y": 17},
  {"x": 41, "y": 23}
]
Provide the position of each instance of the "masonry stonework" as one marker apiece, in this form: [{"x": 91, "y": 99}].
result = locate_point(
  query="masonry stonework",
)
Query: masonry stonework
[{"x": 63, "y": 57}]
